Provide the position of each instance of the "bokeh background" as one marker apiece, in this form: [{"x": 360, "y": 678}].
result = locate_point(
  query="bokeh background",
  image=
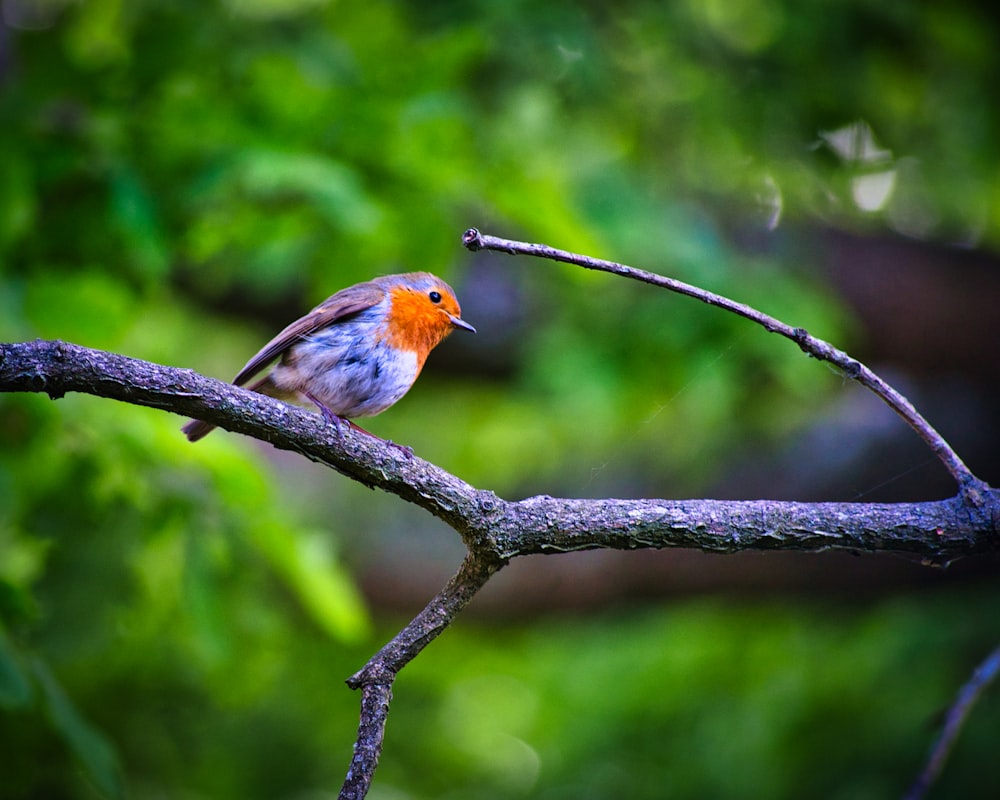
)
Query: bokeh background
[{"x": 178, "y": 180}]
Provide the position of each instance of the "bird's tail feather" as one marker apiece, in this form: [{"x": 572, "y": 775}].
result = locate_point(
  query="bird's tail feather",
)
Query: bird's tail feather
[{"x": 195, "y": 429}]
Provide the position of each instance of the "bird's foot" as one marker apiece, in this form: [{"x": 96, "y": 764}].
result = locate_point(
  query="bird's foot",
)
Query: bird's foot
[
  {"x": 406, "y": 450},
  {"x": 402, "y": 448},
  {"x": 340, "y": 423},
  {"x": 329, "y": 417}
]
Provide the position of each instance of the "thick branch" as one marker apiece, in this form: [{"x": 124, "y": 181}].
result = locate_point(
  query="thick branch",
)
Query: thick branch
[
  {"x": 969, "y": 484},
  {"x": 56, "y": 368},
  {"x": 938, "y": 531}
]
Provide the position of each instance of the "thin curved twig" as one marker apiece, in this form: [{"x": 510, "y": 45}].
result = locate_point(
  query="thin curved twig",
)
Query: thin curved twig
[
  {"x": 375, "y": 679},
  {"x": 957, "y": 714},
  {"x": 375, "y": 699},
  {"x": 477, "y": 568},
  {"x": 969, "y": 485}
]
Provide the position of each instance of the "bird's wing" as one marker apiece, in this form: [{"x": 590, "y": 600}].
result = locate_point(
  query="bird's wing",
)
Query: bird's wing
[{"x": 335, "y": 308}]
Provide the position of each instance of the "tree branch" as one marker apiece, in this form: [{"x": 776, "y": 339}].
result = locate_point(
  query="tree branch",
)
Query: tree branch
[
  {"x": 475, "y": 571},
  {"x": 938, "y": 531},
  {"x": 375, "y": 699},
  {"x": 56, "y": 368},
  {"x": 495, "y": 530},
  {"x": 984, "y": 674},
  {"x": 970, "y": 486},
  {"x": 375, "y": 679}
]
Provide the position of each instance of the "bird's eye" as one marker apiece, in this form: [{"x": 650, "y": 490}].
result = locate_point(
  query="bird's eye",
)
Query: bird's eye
[{"x": 435, "y": 297}]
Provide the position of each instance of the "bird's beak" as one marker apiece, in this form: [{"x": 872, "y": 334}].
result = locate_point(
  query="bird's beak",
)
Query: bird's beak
[{"x": 458, "y": 322}]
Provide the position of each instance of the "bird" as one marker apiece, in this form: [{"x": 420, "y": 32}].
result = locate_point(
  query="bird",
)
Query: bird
[{"x": 356, "y": 353}]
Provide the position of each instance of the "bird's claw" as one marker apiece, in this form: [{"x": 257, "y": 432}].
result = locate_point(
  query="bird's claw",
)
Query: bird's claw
[
  {"x": 328, "y": 416},
  {"x": 339, "y": 423},
  {"x": 406, "y": 450}
]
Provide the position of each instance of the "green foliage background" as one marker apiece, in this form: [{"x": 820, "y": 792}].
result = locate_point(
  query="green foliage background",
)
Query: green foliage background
[{"x": 179, "y": 179}]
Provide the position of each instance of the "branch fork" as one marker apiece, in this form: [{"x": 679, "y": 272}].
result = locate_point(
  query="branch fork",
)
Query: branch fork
[{"x": 495, "y": 530}]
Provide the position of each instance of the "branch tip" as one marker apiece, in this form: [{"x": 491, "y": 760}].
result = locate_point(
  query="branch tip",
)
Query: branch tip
[{"x": 472, "y": 240}]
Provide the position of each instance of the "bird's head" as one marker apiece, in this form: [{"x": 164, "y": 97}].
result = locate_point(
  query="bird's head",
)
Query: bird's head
[{"x": 423, "y": 310}]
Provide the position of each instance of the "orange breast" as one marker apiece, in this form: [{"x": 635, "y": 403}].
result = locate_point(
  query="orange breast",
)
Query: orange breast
[{"x": 414, "y": 323}]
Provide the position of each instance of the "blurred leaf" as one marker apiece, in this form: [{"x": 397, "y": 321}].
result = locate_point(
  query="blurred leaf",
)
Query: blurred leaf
[
  {"x": 271, "y": 9},
  {"x": 332, "y": 187},
  {"x": 133, "y": 210},
  {"x": 99, "y": 37},
  {"x": 15, "y": 685},
  {"x": 306, "y": 562},
  {"x": 94, "y": 752},
  {"x": 17, "y": 200},
  {"x": 87, "y": 306}
]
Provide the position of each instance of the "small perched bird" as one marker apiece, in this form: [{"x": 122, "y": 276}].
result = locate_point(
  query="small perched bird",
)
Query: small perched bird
[{"x": 359, "y": 351}]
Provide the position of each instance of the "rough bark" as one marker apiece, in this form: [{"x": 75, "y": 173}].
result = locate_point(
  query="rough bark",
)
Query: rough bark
[
  {"x": 495, "y": 530},
  {"x": 501, "y": 529}
]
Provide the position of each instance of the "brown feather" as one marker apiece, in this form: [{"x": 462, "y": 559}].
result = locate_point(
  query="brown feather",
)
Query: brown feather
[{"x": 335, "y": 308}]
